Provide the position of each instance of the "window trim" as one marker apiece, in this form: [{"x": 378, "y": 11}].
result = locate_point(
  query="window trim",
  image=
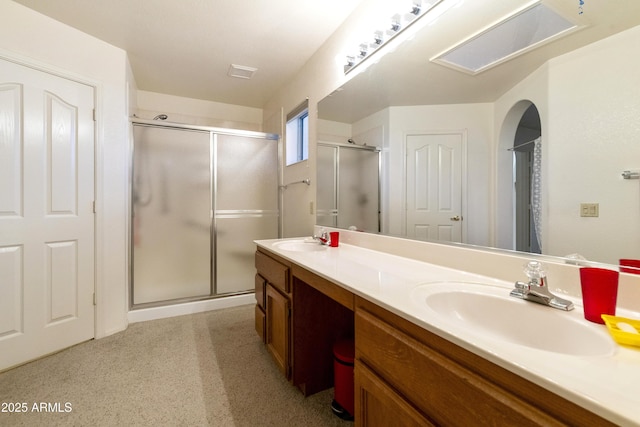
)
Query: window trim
[{"x": 300, "y": 116}]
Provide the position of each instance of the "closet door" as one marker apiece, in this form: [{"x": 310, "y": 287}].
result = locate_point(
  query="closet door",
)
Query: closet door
[
  {"x": 47, "y": 235},
  {"x": 246, "y": 206},
  {"x": 433, "y": 183}
]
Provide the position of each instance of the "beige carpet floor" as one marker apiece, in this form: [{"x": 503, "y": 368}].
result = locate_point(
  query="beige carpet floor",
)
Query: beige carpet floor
[{"x": 206, "y": 369}]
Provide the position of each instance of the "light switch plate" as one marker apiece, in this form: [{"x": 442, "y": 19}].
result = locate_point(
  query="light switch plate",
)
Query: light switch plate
[{"x": 589, "y": 209}]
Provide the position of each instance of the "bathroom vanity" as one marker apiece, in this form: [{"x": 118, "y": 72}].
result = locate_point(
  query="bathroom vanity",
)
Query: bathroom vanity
[
  {"x": 299, "y": 316},
  {"x": 414, "y": 368}
]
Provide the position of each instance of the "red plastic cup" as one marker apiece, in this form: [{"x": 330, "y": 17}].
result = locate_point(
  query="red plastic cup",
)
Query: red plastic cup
[
  {"x": 630, "y": 266},
  {"x": 599, "y": 292},
  {"x": 334, "y": 239}
]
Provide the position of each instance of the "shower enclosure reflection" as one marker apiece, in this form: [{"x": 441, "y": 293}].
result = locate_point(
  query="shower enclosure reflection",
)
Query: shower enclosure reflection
[
  {"x": 199, "y": 199},
  {"x": 348, "y": 192}
]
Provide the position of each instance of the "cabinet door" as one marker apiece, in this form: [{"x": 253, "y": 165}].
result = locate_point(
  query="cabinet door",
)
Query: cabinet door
[
  {"x": 278, "y": 327},
  {"x": 378, "y": 405},
  {"x": 260, "y": 284},
  {"x": 260, "y": 319}
]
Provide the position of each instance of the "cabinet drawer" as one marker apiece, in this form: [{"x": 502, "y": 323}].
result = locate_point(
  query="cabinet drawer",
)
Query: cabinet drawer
[
  {"x": 260, "y": 284},
  {"x": 434, "y": 383},
  {"x": 276, "y": 273}
]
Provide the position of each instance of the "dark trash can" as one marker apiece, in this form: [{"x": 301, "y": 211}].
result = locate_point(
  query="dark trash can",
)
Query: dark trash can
[{"x": 343, "y": 356}]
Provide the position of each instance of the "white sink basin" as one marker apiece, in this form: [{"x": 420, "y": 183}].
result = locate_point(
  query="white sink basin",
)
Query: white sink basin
[
  {"x": 300, "y": 246},
  {"x": 476, "y": 309}
]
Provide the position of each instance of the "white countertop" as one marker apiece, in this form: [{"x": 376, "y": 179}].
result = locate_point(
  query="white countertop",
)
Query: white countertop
[{"x": 606, "y": 385}]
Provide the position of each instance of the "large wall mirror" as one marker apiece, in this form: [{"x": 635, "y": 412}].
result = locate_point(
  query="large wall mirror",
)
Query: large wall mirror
[{"x": 528, "y": 153}]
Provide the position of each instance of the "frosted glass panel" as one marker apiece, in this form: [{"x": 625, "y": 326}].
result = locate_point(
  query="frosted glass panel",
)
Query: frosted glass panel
[
  {"x": 326, "y": 196},
  {"x": 177, "y": 181},
  {"x": 236, "y": 250},
  {"x": 171, "y": 214},
  {"x": 246, "y": 207},
  {"x": 247, "y": 173},
  {"x": 358, "y": 189}
]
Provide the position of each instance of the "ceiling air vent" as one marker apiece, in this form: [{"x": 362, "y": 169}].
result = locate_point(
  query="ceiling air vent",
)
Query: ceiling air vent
[
  {"x": 513, "y": 36},
  {"x": 241, "y": 71}
]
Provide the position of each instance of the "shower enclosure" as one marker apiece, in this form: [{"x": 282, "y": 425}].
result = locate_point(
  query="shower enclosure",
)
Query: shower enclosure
[
  {"x": 200, "y": 196},
  {"x": 348, "y": 192}
]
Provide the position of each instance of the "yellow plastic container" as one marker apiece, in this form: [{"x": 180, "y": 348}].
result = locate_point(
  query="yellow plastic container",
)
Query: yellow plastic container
[{"x": 620, "y": 333}]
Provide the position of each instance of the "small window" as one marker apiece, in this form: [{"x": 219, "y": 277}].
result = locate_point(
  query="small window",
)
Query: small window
[{"x": 297, "y": 134}]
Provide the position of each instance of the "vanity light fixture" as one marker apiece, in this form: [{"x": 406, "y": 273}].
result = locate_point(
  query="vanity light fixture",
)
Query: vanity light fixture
[
  {"x": 399, "y": 23},
  {"x": 377, "y": 38},
  {"x": 396, "y": 24}
]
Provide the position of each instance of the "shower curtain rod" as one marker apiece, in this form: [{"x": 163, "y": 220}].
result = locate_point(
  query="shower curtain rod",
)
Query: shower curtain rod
[{"x": 524, "y": 143}]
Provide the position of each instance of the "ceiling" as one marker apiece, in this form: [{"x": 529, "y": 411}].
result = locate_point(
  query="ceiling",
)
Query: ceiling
[
  {"x": 408, "y": 76},
  {"x": 185, "y": 48}
]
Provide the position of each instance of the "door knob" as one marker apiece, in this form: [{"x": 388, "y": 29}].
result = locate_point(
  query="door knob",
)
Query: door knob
[{"x": 455, "y": 218}]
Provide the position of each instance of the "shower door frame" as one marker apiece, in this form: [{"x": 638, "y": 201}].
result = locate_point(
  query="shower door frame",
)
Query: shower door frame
[
  {"x": 335, "y": 213},
  {"x": 213, "y": 132}
]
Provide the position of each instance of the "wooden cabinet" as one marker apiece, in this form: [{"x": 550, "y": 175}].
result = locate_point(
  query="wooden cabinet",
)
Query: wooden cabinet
[
  {"x": 404, "y": 374},
  {"x": 300, "y": 316},
  {"x": 377, "y": 404},
  {"x": 260, "y": 287},
  {"x": 278, "y": 328},
  {"x": 273, "y": 308},
  {"x": 322, "y": 315},
  {"x": 418, "y": 374},
  {"x": 275, "y": 270}
]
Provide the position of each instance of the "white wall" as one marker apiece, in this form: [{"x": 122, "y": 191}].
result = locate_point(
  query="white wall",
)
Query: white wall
[
  {"x": 473, "y": 119},
  {"x": 321, "y": 75},
  {"x": 570, "y": 119},
  {"x": 329, "y": 131},
  {"x": 32, "y": 38},
  {"x": 596, "y": 94},
  {"x": 62, "y": 49},
  {"x": 589, "y": 103},
  {"x": 508, "y": 112},
  {"x": 198, "y": 112}
]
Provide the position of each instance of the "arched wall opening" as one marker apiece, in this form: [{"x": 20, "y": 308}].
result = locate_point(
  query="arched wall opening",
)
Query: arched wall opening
[{"x": 512, "y": 133}]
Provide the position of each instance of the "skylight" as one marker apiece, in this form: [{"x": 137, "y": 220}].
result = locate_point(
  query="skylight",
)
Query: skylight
[{"x": 515, "y": 35}]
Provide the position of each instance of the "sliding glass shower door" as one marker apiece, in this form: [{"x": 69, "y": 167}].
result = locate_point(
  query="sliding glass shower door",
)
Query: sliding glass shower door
[
  {"x": 348, "y": 186},
  {"x": 199, "y": 199},
  {"x": 171, "y": 214},
  {"x": 246, "y": 207}
]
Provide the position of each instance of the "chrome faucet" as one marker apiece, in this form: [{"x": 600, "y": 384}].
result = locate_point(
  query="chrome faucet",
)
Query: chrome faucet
[
  {"x": 537, "y": 290},
  {"x": 323, "y": 238}
]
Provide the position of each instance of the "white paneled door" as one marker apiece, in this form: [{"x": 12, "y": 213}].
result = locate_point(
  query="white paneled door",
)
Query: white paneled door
[
  {"x": 434, "y": 186},
  {"x": 46, "y": 213}
]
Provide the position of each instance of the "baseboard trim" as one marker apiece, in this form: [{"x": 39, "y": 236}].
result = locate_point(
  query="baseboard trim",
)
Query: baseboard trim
[{"x": 142, "y": 315}]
